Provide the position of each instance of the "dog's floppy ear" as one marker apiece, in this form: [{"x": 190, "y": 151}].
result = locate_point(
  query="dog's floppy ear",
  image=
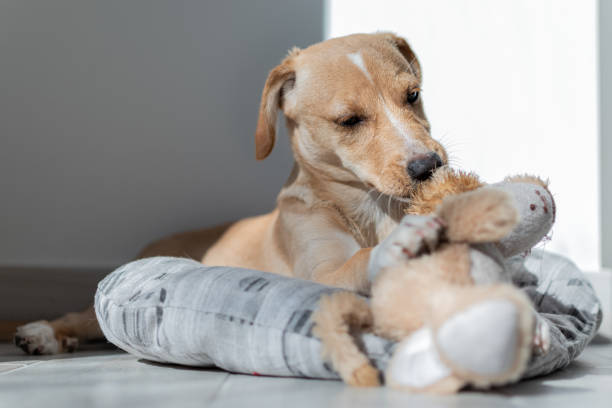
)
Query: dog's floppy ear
[
  {"x": 280, "y": 80},
  {"x": 402, "y": 46}
]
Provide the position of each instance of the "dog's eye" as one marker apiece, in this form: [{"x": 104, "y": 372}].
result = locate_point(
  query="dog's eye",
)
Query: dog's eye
[
  {"x": 351, "y": 121},
  {"x": 412, "y": 97}
]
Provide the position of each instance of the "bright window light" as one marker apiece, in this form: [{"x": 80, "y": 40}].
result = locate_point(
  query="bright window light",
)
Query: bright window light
[{"x": 510, "y": 86}]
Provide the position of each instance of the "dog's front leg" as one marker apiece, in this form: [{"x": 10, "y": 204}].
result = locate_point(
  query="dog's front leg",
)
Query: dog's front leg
[
  {"x": 323, "y": 261},
  {"x": 352, "y": 274}
]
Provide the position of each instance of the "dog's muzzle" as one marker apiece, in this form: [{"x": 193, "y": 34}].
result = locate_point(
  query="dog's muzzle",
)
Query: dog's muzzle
[{"x": 423, "y": 167}]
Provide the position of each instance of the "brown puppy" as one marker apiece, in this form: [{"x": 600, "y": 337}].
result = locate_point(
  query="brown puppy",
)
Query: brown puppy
[{"x": 361, "y": 144}]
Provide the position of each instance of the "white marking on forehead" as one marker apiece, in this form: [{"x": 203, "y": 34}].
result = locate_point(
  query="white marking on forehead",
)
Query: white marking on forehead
[
  {"x": 357, "y": 59},
  {"x": 401, "y": 129}
]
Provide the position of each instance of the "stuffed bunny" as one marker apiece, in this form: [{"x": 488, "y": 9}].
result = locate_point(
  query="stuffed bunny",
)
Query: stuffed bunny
[{"x": 451, "y": 306}]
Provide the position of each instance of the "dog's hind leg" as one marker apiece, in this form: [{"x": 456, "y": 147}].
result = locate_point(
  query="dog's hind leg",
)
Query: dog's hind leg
[
  {"x": 60, "y": 335},
  {"x": 65, "y": 333}
]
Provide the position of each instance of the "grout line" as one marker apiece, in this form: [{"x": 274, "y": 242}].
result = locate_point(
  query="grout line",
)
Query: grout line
[
  {"x": 23, "y": 366},
  {"x": 217, "y": 392}
]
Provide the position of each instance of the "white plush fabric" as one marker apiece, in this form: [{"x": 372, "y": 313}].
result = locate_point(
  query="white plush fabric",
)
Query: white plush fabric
[
  {"x": 536, "y": 211},
  {"x": 492, "y": 326},
  {"x": 416, "y": 363}
]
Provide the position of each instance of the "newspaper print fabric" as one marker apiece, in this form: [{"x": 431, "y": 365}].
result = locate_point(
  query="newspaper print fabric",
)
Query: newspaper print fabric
[{"x": 176, "y": 310}]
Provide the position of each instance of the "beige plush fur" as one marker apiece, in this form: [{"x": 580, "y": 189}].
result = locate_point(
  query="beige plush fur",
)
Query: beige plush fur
[
  {"x": 431, "y": 288},
  {"x": 449, "y": 300},
  {"x": 478, "y": 216},
  {"x": 338, "y": 317},
  {"x": 429, "y": 195}
]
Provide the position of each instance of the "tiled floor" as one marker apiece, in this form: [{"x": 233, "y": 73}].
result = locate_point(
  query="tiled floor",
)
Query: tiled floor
[{"x": 104, "y": 377}]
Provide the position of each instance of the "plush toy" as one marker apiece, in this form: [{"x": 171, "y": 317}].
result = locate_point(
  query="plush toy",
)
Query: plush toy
[{"x": 452, "y": 307}]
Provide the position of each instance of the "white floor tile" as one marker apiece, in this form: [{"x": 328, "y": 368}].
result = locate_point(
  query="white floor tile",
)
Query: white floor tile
[{"x": 110, "y": 378}]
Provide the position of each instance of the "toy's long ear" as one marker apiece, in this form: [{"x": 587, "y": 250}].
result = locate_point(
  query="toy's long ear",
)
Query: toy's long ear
[
  {"x": 280, "y": 80},
  {"x": 402, "y": 46}
]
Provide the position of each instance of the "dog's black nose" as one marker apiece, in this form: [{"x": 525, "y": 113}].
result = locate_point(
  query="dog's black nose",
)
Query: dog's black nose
[{"x": 423, "y": 167}]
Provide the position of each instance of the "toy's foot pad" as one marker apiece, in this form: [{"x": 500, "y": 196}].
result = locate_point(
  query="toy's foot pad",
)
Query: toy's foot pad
[
  {"x": 486, "y": 344},
  {"x": 416, "y": 366},
  {"x": 482, "y": 339}
]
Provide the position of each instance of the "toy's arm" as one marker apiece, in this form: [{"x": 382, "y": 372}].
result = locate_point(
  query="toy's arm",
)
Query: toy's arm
[{"x": 536, "y": 208}]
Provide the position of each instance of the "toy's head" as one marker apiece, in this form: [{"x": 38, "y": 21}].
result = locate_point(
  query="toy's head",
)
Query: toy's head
[{"x": 516, "y": 214}]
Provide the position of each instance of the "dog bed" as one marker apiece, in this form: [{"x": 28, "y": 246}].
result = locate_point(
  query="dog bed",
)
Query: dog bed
[{"x": 175, "y": 310}]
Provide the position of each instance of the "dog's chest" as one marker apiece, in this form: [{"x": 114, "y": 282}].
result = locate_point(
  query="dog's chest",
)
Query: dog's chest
[{"x": 374, "y": 225}]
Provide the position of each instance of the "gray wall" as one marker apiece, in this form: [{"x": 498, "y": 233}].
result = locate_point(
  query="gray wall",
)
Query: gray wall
[
  {"x": 605, "y": 67},
  {"x": 122, "y": 121}
]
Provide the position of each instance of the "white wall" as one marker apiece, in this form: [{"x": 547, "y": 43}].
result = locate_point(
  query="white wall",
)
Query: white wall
[
  {"x": 510, "y": 86},
  {"x": 605, "y": 76},
  {"x": 122, "y": 121}
]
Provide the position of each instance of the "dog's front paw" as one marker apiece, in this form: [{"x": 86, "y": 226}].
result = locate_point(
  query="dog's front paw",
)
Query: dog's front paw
[
  {"x": 415, "y": 235},
  {"x": 40, "y": 338}
]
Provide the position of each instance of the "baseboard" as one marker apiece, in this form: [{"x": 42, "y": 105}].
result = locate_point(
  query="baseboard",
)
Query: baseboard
[
  {"x": 602, "y": 283},
  {"x": 33, "y": 293}
]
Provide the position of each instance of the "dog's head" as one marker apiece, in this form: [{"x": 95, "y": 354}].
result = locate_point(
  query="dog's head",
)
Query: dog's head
[{"x": 354, "y": 111}]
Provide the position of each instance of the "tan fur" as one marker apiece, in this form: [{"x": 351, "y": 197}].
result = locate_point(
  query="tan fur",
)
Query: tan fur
[
  {"x": 431, "y": 288},
  {"x": 339, "y": 315},
  {"x": 189, "y": 244},
  {"x": 445, "y": 182},
  {"x": 349, "y": 187},
  {"x": 271, "y": 101},
  {"x": 409, "y": 288},
  {"x": 73, "y": 328},
  {"x": 484, "y": 215}
]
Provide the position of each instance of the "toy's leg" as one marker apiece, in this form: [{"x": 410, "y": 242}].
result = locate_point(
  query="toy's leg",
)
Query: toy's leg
[
  {"x": 484, "y": 333},
  {"x": 341, "y": 314},
  {"x": 403, "y": 295},
  {"x": 416, "y": 366},
  {"x": 480, "y": 336},
  {"x": 452, "y": 333},
  {"x": 409, "y": 288},
  {"x": 338, "y": 315}
]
